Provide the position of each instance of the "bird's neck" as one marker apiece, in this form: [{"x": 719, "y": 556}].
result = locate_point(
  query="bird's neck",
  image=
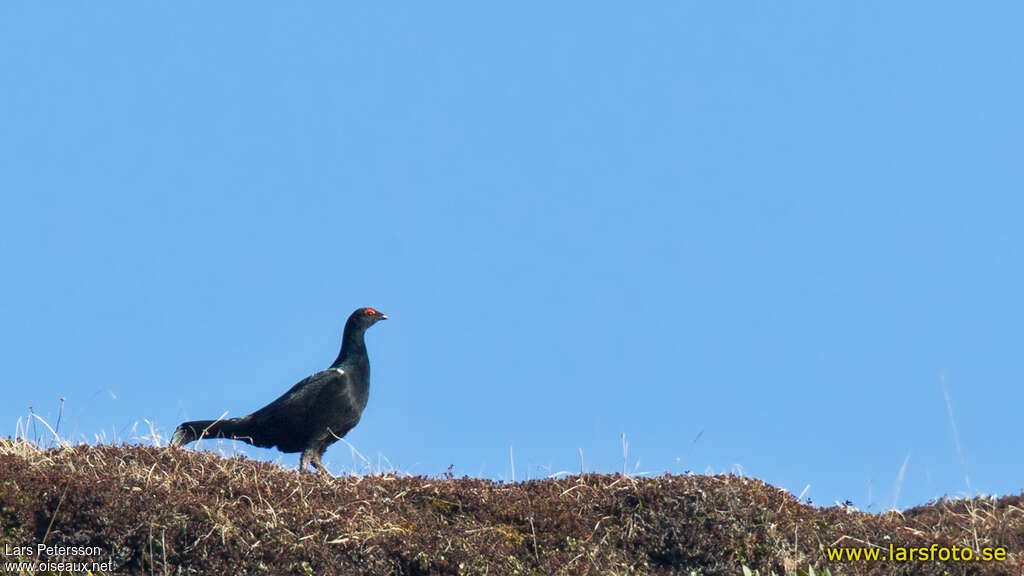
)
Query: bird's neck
[{"x": 353, "y": 348}]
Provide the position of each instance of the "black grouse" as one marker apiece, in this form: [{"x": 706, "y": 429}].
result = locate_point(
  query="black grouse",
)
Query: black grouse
[{"x": 311, "y": 416}]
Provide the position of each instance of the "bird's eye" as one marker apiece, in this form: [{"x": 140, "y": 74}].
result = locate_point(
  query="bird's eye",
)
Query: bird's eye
[{"x": 371, "y": 311}]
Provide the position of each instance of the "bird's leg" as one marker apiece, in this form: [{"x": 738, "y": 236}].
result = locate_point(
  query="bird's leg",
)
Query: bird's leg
[
  {"x": 318, "y": 465},
  {"x": 312, "y": 456}
]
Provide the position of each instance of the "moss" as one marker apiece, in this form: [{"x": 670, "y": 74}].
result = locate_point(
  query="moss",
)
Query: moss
[{"x": 184, "y": 512}]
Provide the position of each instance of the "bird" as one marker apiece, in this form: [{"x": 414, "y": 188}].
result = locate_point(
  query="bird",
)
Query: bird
[{"x": 315, "y": 413}]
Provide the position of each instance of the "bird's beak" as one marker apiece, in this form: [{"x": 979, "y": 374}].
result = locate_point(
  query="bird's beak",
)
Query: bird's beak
[{"x": 383, "y": 316}]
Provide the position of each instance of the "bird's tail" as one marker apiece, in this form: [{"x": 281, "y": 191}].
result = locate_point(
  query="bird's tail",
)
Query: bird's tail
[{"x": 233, "y": 428}]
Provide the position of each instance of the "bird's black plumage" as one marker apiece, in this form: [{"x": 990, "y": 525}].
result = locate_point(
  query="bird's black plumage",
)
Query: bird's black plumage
[{"x": 314, "y": 413}]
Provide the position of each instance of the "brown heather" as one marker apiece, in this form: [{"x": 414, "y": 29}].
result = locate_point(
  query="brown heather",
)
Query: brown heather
[{"x": 171, "y": 511}]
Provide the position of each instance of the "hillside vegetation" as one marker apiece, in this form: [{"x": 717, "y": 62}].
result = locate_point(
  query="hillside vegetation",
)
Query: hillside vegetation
[{"x": 170, "y": 511}]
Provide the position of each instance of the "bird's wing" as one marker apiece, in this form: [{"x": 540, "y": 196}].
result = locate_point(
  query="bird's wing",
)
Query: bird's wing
[
  {"x": 303, "y": 395},
  {"x": 304, "y": 412}
]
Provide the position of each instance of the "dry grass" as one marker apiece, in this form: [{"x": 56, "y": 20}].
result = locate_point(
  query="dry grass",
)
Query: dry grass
[{"x": 172, "y": 511}]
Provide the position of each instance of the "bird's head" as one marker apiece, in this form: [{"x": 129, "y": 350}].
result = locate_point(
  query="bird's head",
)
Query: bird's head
[{"x": 366, "y": 317}]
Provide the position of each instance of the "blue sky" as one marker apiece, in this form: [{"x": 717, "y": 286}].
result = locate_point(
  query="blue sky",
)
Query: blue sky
[{"x": 775, "y": 229}]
